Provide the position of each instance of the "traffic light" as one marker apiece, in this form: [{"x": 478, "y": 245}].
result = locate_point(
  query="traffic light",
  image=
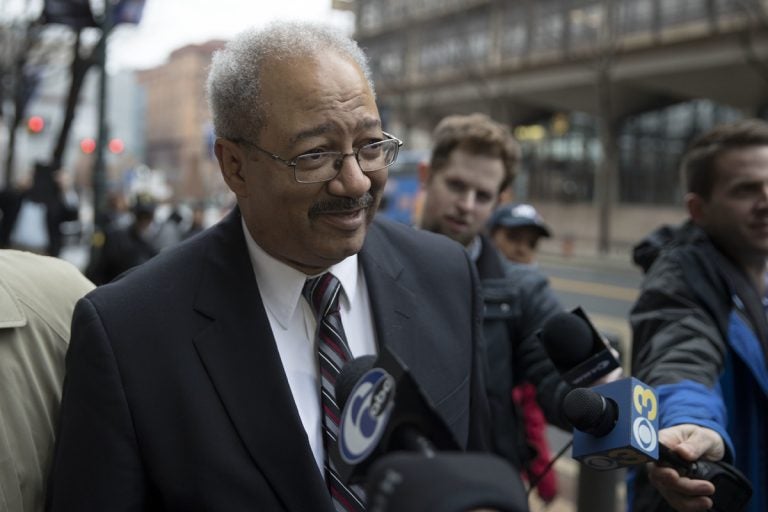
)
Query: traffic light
[
  {"x": 35, "y": 124},
  {"x": 87, "y": 145},
  {"x": 116, "y": 146}
]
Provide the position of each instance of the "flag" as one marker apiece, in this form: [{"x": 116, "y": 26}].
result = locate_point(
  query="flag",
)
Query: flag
[
  {"x": 75, "y": 13},
  {"x": 128, "y": 11}
]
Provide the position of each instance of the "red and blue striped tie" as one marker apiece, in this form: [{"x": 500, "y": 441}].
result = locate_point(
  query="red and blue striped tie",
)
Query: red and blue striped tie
[{"x": 322, "y": 293}]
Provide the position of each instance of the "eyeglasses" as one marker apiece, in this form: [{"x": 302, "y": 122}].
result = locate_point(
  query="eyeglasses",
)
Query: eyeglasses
[{"x": 326, "y": 165}]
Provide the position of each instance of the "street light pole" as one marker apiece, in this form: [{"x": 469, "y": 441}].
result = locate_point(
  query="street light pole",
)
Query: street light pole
[{"x": 99, "y": 164}]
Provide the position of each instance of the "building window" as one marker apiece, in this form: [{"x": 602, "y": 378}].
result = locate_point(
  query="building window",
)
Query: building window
[
  {"x": 637, "y": 16},
  {"x": 682, "y": 11},
  {"x": 514, "y": 31},
  {"x": 585, "y": 24},
  {"x": 548, "y": 24}
]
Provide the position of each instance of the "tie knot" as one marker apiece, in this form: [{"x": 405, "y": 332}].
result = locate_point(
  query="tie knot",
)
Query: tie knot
[{"x": 322, "y": 293}]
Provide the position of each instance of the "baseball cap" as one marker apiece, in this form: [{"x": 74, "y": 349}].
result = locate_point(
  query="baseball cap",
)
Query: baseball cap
[{"x": 516, "y": 215}]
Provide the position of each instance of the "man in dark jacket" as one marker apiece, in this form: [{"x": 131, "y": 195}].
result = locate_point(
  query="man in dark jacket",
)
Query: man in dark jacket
[
  {"x": 473, "y": 160},
  {"x": 120, "y": 248},
  {"x": 699, "y": 326}
]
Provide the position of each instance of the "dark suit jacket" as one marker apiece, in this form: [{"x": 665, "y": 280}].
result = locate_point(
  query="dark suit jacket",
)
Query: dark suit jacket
[{"x": 175, "y": 396}]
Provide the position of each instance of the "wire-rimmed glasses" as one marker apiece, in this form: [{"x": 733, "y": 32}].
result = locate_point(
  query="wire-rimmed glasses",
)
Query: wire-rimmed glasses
[{"x": 326, "y": 165}]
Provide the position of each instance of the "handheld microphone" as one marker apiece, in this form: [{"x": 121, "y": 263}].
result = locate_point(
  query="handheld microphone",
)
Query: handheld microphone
[
  {"x": 576, "y": 348},
  {"x": 619, "y": 427},
  {"x": 383, "y": 410},
  {"x": 616, "y": 424}
]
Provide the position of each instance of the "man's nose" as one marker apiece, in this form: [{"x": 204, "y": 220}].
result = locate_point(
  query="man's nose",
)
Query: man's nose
[
  {"x": 467, "y": 200},
  {"x": 351, "y": 181},
  {"x": 764, "y": 190}
]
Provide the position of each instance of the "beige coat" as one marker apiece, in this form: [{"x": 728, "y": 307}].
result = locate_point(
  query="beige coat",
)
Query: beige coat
[{"x": 37, "y": 297}]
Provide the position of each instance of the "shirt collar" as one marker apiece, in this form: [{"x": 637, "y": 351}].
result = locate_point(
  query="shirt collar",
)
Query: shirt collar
[
  {"x": 474, "y": 249},
  {"x": 280, "y": 285}
]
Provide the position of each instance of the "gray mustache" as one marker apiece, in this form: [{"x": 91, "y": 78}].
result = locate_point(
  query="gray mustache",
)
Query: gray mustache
[{"x": 341, "y": 204}]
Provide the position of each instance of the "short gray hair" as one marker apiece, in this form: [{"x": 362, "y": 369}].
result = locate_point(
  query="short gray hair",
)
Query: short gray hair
[{"x": 234, "y": 80}]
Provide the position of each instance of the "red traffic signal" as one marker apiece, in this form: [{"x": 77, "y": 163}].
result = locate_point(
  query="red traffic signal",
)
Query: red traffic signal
[
  {"x": 116, "y": 146},
  {"x": 87, "y": 145},
  {"x": 35, "y": 124}
]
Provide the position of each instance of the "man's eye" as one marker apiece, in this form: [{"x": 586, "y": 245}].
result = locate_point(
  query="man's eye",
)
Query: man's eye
[
  {"x": 455, "y": 186},
  {"x": 484, "y": 198},
  {"x": 313, "y": 152},
  {"x": 313, "y": 160}
]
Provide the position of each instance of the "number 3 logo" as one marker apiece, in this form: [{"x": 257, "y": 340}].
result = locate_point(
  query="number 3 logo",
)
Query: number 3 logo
[{"x": 644, "y": 398}]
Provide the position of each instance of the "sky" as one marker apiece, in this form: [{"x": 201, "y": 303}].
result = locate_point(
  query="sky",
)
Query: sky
[{"x": 170, "y": 24}]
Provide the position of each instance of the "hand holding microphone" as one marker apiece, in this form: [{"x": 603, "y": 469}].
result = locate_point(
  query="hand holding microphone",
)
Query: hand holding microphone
[{"x": 617, "y": 426}]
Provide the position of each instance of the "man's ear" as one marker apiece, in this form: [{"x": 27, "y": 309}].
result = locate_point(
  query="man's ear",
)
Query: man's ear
[
  {"x": 695, "y": 205},
  {"x": 231, "y": 162}
]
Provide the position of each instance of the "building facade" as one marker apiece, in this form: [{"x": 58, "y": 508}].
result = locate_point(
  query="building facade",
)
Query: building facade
[
  {"x": 178, "y": 129},
  {"x": 564, "y": 73}
]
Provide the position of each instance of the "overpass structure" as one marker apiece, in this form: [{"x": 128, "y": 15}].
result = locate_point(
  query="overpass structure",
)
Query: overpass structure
[{"x": 520, "y": 60}]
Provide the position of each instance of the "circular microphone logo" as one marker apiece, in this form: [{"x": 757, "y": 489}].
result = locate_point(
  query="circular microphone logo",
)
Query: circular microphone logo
[
  {"x": 600, "y": 462},
  {"x": 644, "y": 434},
  {"x": 366, "y": 415}
]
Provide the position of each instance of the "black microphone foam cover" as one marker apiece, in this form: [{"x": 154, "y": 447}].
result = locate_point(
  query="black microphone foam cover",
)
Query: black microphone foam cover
[
  {"x": 589, "y": 411},
  {"x": 567, "y": 339},
  {"x": 448, "y": 482},
  {"x": 349, "y": 376}
]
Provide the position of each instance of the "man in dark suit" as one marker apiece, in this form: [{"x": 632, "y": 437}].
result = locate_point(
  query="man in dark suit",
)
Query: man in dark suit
[{"x": 192, "y": 381}]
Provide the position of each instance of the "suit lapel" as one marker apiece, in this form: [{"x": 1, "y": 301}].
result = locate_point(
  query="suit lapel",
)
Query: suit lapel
[
  {"x": 240, "y": 356},
  {"x": 393, "y": 304},
  {"x": 397, "y": 304}
]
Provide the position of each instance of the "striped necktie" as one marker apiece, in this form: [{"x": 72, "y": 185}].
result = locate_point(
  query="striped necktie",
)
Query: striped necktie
[{"x": 322, "y": 293}]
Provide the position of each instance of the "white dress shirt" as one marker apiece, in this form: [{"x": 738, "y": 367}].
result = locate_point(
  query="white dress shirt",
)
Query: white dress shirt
[{"x": 293, "y": 326}]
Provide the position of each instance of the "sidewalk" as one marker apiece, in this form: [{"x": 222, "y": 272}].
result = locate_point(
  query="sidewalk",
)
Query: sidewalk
[{"x": 617, "y": 259}]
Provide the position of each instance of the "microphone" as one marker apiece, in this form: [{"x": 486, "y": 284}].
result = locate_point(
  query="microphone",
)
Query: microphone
[
  {"x": 383, "y": 410},
  {"x": 616, "y": 424},
  {"x": 448, "y": 482},
  {"x": 618, "y": 427},
  {"x": 576, "y": 348}
]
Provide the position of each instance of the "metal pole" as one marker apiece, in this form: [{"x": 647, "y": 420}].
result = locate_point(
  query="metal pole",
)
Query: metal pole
[{"x": 99, "y": 164}]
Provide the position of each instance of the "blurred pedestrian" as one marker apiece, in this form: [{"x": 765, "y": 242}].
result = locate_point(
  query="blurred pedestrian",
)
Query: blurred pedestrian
[
  {"x": 120, "y": 248},
  {"x": 197, "y": 224},
  {"x": 118, "y": 214},
  {"x": 204, "y": 378},
  {"x": 32, "y": 214},
  {"x": 171, "y": 230},
  {"x": 37, "y": 297},
  {"x": 10, "y": 205},
  {"x": 516, "y": 229},
  {"x": 700, "y": 334},
  {"x": 473, "y": 160}
]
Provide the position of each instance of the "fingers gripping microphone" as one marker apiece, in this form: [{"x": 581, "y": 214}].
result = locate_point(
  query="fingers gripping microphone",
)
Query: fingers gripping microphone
[
  {"x": 605, "y": 440},
  {"x": 576, "y": 348},
  {"x": 383, "y": 410}
]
